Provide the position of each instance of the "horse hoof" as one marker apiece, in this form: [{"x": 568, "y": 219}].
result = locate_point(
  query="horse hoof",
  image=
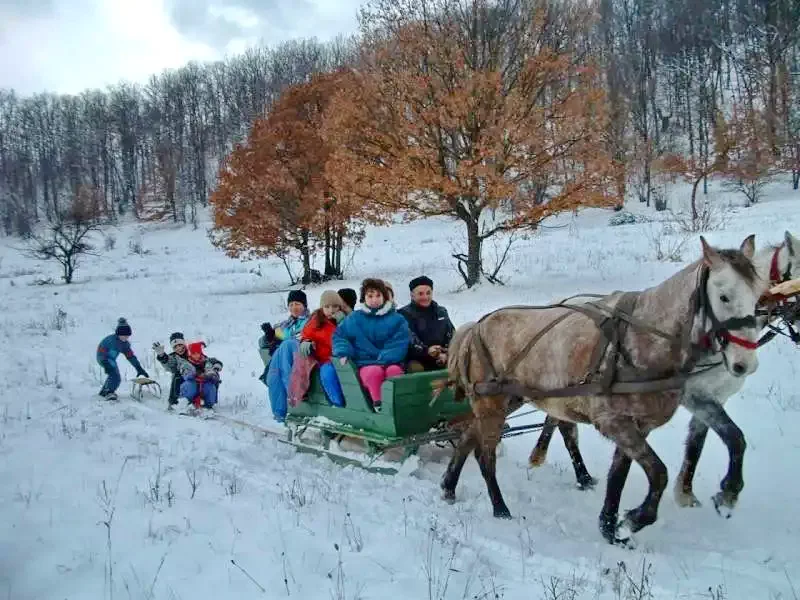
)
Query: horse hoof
[
  {"x": 449, "y": 496},
  {"x": 686, "y": 499},
  {"x": 587, "y": 484},
  {"x": 502, "y": 512},
  {"x": 536, "y": 459},
  {"x": 723, "y": 506}
]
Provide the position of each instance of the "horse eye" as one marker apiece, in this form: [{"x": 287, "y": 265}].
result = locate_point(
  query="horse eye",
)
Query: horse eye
[{"x": 724, "y": 299}]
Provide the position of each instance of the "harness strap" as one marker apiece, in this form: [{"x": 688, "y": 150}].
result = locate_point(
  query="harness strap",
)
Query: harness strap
[{"x": 514, "y": 388}]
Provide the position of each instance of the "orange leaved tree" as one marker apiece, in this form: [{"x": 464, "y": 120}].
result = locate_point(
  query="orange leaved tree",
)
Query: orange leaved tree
[
  {"x": 273, "y": 197},
  {"x": 445, "y": 120}
]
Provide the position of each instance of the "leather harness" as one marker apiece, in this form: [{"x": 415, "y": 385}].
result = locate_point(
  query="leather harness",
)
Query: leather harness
[{"x": 605, "y": 375}]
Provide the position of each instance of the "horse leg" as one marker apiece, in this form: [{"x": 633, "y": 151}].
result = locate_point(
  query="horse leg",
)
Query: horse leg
[
  {"x": 617, "y": 475},
  {"x": 631, "y": 445},
  {"x": 569, "y": 431},
  {"x": 490, "y": 429},
  {"x": 695, "y": 439},
  {"x": 467, "y": 442},
  {"x": 539, "y": 452},
  {"x": 711, "y": 413}
]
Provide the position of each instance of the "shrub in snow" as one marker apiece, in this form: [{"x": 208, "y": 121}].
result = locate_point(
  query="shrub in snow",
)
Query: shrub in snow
[{"x": 626, "y": 218}]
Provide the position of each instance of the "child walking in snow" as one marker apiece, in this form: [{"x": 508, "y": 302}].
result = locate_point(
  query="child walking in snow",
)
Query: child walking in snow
[
  {"x": 316, "y": 348},
  {"x": 375, "y": 337},
  {"x": 200, "y": 374},
  {"x": 107, "y": 351}
]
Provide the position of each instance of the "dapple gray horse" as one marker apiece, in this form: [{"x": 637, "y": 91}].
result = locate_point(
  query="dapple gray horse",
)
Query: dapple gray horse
[
  {"x": 549, "y": 356},
  {"x": 773, "y": 263}
]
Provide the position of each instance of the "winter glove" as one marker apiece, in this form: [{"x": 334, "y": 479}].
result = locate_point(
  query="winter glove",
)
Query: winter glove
[
  {"x": 306, "y": 347},
  {"x": 339, "y": 316},
  {"x": 159, "y": 348},
  {"x": 143, "y": 373},
  {"x": 269, "y": 332}
]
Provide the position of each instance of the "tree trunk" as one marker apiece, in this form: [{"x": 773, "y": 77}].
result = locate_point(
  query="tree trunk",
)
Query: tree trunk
[
  {"x": 305, "y": 252},
  {"x": 69, "y": 269},
  {"x": 694, "y": 198},
  {"x": 474, "y": 243}
]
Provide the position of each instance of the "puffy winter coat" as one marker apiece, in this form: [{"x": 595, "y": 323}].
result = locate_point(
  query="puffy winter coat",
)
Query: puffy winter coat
[
  {"x": 111, "y": 346},
  {"x": 322, "y": 338},
  {"x": 373, "y": 336}
]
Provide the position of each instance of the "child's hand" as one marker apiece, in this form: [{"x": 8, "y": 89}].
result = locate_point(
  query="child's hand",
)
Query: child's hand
[
  {"x": 306, "y": 347},
  {"x": 269, "y": 332},
  {"x": 343, "y": 360},
  {"x": 158, "y": 347}
]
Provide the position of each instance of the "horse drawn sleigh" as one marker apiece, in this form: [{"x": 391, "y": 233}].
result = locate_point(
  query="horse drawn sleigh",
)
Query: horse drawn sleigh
[{"x": 622, "y": 362}]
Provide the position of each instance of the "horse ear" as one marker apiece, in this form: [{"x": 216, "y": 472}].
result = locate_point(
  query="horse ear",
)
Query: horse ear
[
  {"x": 710, "y": 256},
  {"x": 748, "y": 246},
  {"x": 790, "y": 241}
]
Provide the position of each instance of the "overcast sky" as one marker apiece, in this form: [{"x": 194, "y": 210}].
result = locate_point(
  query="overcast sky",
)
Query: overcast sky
[{"x": 69, "y": 45}]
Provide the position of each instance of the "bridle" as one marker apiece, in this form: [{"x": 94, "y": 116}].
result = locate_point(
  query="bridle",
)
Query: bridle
[
  {"x": 788, "y": 312},
  {"x": 720, "y": 331}
]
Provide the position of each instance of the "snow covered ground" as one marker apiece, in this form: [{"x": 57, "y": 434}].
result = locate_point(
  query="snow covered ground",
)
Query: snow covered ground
[{"x": 126, "y": 501}]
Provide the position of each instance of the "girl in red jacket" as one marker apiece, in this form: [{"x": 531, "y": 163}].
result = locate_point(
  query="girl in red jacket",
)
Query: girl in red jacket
[{"x": 316, "y": 348}]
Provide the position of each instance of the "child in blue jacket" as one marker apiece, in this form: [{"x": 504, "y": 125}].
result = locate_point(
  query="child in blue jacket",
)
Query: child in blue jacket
[
  {"x": 107, "y": 351},
  {"x": 375, "y": 337}
]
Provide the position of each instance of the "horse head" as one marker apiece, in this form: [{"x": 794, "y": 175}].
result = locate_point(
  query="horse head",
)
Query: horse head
[{"x": 731, "y": 290}]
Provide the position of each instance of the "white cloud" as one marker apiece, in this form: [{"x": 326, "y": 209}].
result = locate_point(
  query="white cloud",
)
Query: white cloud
[{"x": 67, "y": 46}]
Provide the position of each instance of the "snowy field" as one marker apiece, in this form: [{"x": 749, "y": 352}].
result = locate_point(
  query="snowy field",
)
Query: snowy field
[{"x": 123, "y": 500}]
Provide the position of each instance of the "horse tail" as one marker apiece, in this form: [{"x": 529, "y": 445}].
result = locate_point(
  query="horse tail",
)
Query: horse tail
[{"x": 457, "y": 365}]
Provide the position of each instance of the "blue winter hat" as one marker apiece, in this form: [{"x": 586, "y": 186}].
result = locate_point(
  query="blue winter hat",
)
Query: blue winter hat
[{"x": 122, "y": 327}]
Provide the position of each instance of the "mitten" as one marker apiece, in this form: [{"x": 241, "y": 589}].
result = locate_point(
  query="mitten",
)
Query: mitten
[
  {"x": 158, "y": 347},
  {"x": 306, "y": 347},
  {"x": 269, "y": 332}
]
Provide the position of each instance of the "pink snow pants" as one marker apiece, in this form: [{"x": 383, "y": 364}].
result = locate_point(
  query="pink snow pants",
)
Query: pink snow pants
[{"x": 372, "y": 377}]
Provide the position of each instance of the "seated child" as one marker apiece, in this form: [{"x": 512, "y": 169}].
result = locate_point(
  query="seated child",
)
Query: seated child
[
  {"x": 375, "y": 337},
  {"x": 316, "y": 347},
  {"x": 286, "y": 329},
  {"x": 170, "y": 363},
  {"x": 107, "y": 351},
  {"x": 200, "y": 376}
]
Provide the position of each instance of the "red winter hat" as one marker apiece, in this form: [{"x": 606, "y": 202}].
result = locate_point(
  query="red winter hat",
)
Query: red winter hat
[{"x": 196, "y": 347}]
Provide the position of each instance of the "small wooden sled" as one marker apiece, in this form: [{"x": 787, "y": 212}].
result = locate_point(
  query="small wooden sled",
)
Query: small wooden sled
[{"x": 139, "y": 384}]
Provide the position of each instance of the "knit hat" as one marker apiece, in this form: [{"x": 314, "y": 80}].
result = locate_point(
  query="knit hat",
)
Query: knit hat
[
  {"x": 349, "y": 296},
  {"x": 175, "y": 339},
  {"x": 373, "y": 284},
  {"x": 331, "y": 297},
  {"x": 389, "y": 289},
  {"x": 122, "y": 327},
  {"x": 195, "y": 347},
  {"x": 421, "y": 280},
  {"x": 297, "y": 296}
]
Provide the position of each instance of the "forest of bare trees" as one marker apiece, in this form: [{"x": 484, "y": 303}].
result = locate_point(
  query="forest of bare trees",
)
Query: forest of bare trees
[{"x": 154, "y": 150}]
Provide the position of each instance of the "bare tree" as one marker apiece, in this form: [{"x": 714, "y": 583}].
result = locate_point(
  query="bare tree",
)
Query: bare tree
[{"x": 66, "y": 239}]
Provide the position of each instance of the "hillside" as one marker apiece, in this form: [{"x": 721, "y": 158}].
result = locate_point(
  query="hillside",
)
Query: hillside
[{"x": 299, "y": 526}]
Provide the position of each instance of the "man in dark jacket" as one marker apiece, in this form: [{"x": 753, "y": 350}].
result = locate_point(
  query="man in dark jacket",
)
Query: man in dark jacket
[{"x": 431, "y": 328}]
